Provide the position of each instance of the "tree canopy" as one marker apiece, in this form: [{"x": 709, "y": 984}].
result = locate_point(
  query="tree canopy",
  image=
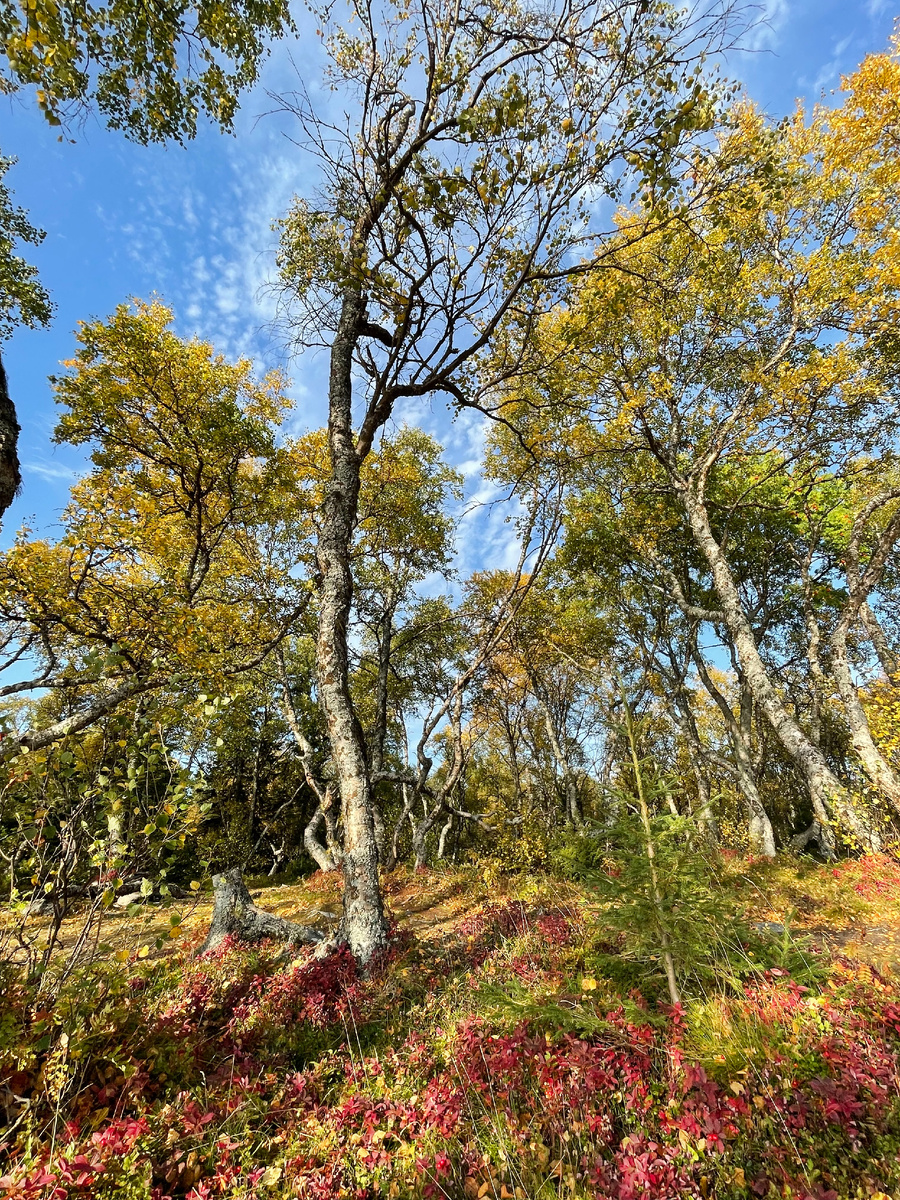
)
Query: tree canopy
[
  {"x": 692, "y": 411},
  {"x": 150, "y": 72}
]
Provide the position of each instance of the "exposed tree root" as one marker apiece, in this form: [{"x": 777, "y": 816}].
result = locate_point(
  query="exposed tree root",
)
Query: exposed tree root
[{"x": 235, "y": 913}]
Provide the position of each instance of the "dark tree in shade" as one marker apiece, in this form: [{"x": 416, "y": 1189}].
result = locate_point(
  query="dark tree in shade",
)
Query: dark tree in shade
[
  {"x": 23, "y": 301},
  {"x": 10, "y": 475}
]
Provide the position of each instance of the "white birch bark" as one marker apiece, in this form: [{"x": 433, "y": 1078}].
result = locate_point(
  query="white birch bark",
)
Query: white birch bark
[
  {"x": 829, "y": 797},
  {"x": 762, "y": 835},
  {"x": 364, "y": 925},
  {"x": 860, "y": 586}
]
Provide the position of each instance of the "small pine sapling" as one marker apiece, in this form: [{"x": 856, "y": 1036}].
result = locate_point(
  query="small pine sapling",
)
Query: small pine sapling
[{"x": 662, "y": 911}]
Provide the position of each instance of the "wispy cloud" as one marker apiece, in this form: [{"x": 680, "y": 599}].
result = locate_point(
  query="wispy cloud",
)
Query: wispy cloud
[
  {"x": 837, "y": 64},
  {"x": 769, "y": 25},
  {"x": 52, "y": 472}
]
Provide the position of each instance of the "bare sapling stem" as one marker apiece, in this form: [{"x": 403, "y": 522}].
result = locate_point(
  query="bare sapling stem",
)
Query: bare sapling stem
[{"x": 668, "y": 961}]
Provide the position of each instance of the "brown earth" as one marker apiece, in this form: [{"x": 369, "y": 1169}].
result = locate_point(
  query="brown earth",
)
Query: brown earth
[{"x": 432, "y": 904}]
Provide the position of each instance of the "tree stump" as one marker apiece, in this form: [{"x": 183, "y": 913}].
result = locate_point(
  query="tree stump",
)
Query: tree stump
[{"x": 235, "y": 913}]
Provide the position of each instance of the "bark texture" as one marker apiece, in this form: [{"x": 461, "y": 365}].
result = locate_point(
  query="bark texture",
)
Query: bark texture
[
  {"x": 890, "y": 664},
  {"x": 874, "y": 763},
  {"x": 325, "y": 857},
  {"x": 860, "y": 584},
  {"x": 10, "y": 475},
  {"x": 829, "y": 796},
  {"x": 235, "y": 914},
  {"x": 364, "y": 926},
  {"x": 762, "y": 835},
  {"x": 37, "y": 739},
  {"x": 313, "y": 846}
]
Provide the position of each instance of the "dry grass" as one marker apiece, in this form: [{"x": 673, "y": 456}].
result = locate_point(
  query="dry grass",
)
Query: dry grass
[
  {"x": 429, "y": 904},
  {"x": 852, "y": 909}
]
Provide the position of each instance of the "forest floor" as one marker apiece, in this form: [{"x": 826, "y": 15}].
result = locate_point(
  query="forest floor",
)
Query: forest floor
[
  {"x": 511, "y": 1047},
  {"x": 852, "y": 908},
  {"x": 428, "y": 905}
]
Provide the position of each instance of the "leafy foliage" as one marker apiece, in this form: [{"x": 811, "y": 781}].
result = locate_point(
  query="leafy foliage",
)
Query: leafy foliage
[
  {"x": 23, "y": 299},
  {"x": 238, "y": 632},
  {"x": 234, "y": 1072},
  {"x": 149, "y": 72}
]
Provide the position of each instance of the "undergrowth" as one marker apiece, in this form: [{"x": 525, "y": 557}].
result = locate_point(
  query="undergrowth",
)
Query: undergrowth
[{"x": 497, "y": 1062}]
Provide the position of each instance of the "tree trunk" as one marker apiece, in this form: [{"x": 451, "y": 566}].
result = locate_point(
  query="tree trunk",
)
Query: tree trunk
[
  {"x": 442, "y": 840},
  {"x": 409, "y": 797},
  {"x": 442, "y": 800},
  {"x": 235, "y": 914},
  {"x": 826, "y": 791},
  {"x": 279, "y": 854},
  {"x": 886, "y": 657},
  {"x": 819, "y": 686},
  {"x": 513, "y": 757},
  {"x": 760, "y": 832},
  {"x": 762, "y": 835},
  {"x": 704, "y": 814},
  {"x": 364, "y": 925},
  {"x": 421, "y": 830},
  {"x": 116, "y": 819},
  {"x": 574, "y": 815},
  {"x": 874, "y": 764},
  {"x": 419, "y": 841},
  {"x": 10, "y": 475},
  {"x": 313, "y": 846},
  {"x": 376, "y": 758},
  {"x": 380, "y": 829},
  {"x": 326, "y": 859},
  {"x": 814, "y": 833},
  {"x": 384, "y": 639}
]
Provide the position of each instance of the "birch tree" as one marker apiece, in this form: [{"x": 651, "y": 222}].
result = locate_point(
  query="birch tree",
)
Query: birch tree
[
  {"x": 747, "y": 353},
  {"x": 457, "y": 191},
  {"x": 176, "y": 561}
]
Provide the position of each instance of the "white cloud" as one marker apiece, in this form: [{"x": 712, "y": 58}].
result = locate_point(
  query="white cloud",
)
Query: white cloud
[
  {"x": 767, "y": 28},
  {"x": 829, "y": 74},
  {"x": 52, "y": 472}
]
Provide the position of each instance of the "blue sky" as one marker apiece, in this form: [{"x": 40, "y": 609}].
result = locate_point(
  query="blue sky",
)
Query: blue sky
[{"x": 193, "y": 225}]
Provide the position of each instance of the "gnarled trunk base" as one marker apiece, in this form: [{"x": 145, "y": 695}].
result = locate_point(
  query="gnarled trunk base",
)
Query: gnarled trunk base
[
  {"x": 818, "y": 833},
  {"x": 235, "y": 913},
  {"x": 762, "y": 835}
]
